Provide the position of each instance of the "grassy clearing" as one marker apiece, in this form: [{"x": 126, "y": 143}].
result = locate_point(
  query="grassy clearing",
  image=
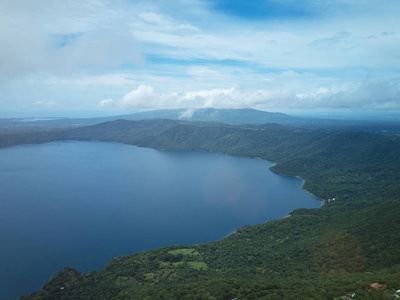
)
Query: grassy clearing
[
  {"x": 198, "y": 265},
  {"x": 191, "y": 252}
]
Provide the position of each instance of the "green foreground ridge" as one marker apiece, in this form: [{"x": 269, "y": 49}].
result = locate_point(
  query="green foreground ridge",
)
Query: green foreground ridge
[{"x": 347, "y": 249}]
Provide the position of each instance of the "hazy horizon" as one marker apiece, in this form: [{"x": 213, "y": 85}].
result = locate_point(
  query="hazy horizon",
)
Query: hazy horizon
[{"x": 323, "y": 114}]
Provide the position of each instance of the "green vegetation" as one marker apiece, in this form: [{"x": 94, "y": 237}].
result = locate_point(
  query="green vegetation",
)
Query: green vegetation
[
  {"x": 337, "y": 250},
  {"x": 189, "y": 252}
]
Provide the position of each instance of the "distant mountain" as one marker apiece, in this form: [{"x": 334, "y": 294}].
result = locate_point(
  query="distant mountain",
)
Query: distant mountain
[
  {"x": 227, "y": 116},
  {"x": 258, "y": 117},
  {"x": 230, "y": 116}
]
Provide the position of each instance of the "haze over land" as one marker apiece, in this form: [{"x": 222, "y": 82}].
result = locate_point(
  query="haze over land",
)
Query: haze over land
[{"x": 65, "y": 59}]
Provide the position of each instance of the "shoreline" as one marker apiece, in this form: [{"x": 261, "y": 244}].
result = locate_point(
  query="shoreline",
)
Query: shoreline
[{"x": 295, "y": 176}]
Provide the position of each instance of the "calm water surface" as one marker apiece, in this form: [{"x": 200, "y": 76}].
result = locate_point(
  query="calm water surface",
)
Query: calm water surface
[{"x": 79, "y": 204}]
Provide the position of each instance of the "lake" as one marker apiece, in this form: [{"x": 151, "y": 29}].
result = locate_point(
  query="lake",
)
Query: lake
[{"x": 79, "y": 204}]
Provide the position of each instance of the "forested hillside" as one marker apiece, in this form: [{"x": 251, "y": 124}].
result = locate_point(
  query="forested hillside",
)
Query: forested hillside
[{"x": 339, "y": 249}]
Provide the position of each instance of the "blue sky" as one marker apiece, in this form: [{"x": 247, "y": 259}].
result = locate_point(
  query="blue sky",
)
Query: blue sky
[
  {"x": 272, "y": 55},
  {"x": 262, "y": 9}
]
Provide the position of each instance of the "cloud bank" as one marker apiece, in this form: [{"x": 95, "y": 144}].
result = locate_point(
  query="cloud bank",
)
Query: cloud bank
[
  {"x": 369, "y": 95},
  {"x": 194, "y": 53}
]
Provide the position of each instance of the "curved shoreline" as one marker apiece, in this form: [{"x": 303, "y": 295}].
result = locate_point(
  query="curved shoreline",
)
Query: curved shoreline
[
  {"x": 295, "y": 176},
  {"x": 264, "y": 167}
]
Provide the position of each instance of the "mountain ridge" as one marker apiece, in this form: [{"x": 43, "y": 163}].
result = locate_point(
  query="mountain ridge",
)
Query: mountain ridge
[{"x": 227, "y": 116}]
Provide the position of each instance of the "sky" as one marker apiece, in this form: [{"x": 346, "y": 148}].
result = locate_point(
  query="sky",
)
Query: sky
[{"x": 131, "y": 55}]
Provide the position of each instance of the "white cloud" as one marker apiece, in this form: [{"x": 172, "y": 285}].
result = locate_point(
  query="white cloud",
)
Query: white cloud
[
  {"x": 332, "y": 41},
  {"x": 61, "y": 38},
  {"x": 195, "y": 56},
  {"x": 44, "y": 103},
  {"x": 280, "y": 92},
  {"x": 327, "y": 43},
  {"x": 370, "y": 94},
  {"x": 187, "y": 114},
  {"x": 203, "y": 71},
  {"x": 164, "y": 23},
  {"x": 106, "y": 103},
  {"x": 143, "y": 97},
  {"x": 108, "y": 48},
  {"x": 146, "y": 97},
  {"x": 120, "y": 79},
  {"x": 218, "y": 98}
]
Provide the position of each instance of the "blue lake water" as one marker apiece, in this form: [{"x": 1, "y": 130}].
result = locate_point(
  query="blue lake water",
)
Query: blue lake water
[{"x": 79, "y": 204}]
